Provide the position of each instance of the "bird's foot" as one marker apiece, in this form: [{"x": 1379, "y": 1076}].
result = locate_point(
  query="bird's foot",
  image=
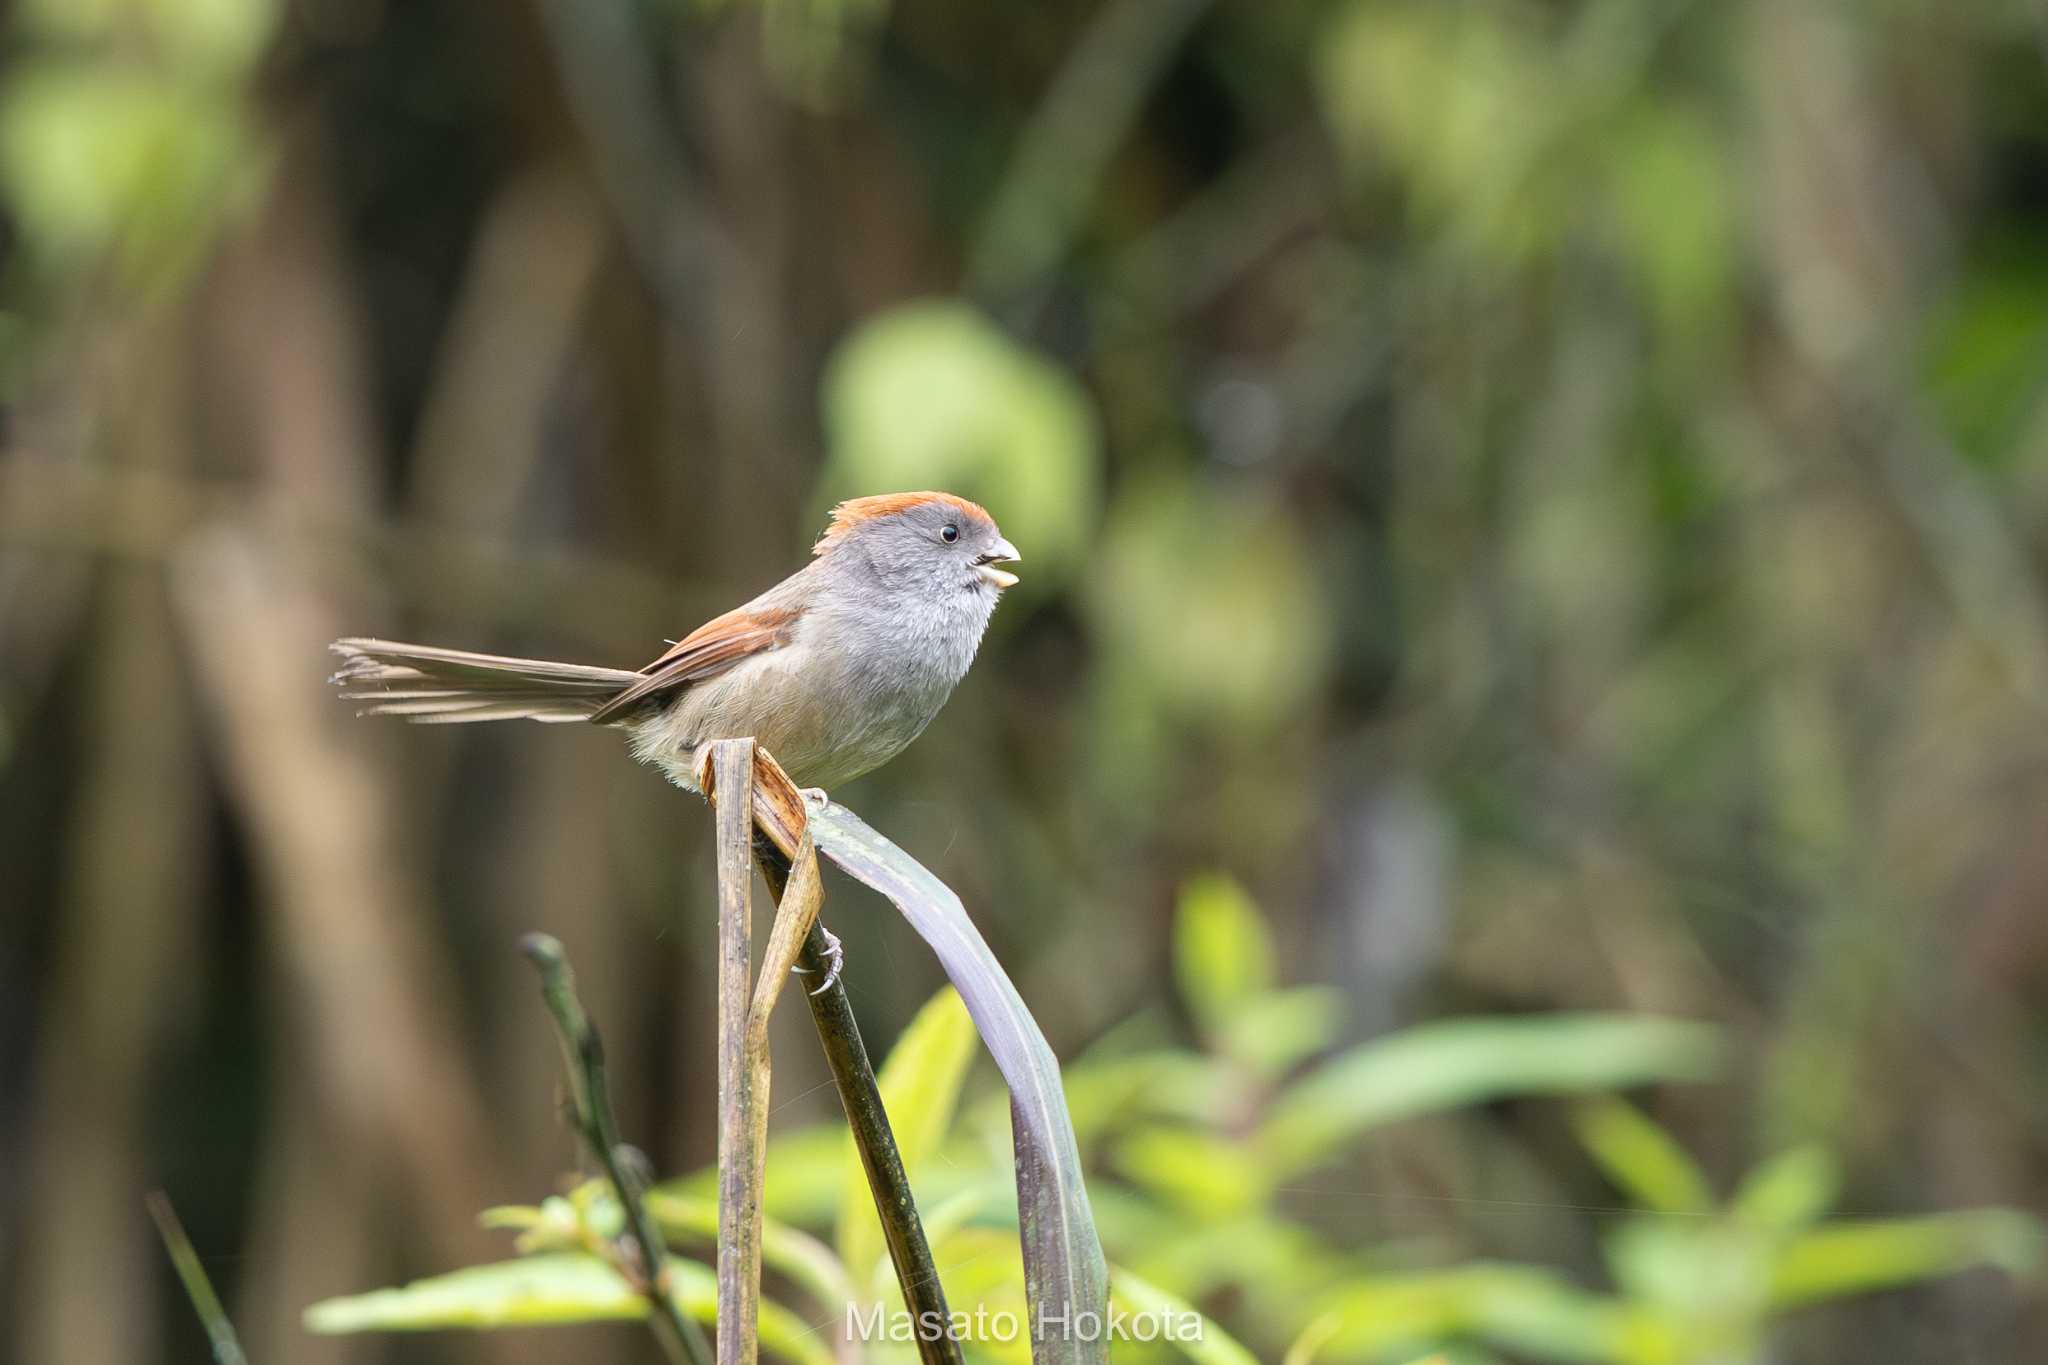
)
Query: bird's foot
[
  {"x": 835, "y": 955},
  {"x": 815, "y": 796}
]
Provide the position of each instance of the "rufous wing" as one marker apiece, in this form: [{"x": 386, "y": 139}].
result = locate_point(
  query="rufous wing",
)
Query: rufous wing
[{"x": 705, "y": 652}]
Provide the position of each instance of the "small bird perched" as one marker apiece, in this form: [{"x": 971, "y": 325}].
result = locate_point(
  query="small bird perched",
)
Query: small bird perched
[{"x": 834, "y": 670}]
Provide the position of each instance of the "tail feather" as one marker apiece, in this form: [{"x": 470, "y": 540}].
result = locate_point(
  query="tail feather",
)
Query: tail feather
[{"x": 432, "y": 686}]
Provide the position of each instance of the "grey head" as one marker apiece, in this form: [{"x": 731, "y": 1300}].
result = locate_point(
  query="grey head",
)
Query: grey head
[{"x": 917, "y": 576}]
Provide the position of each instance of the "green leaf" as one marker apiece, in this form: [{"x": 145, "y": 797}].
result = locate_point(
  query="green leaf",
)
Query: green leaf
[
  {"x": 1222, "y": 952},
  {"x": 795, "y": 1255},
  {"x": 98, "y": 159},
  {"x": 1274, "y": 1031},
  {"x": 1208, "y": 613},
  {"x": 1671, "y": 202},
  {"x": 1471, "y": 1061},
  {"x": 557, "y": 1287},
  {"x": 1206, "y": 1175},
  {"x": 920, "y": 1084},
  {"x": 1105, "y": 1092},
  {"x": 1173, "y": 1319},
  {"x": 935, "y": 395},
  {"x": 1523, "y": 1309},
  {"x": 1790, "y": 1191},
  {"x": 1462, "y": 104},
  {"x": 1858, "y": 1257},
  {"x": 802, "y": 1185},
  {"x": 1701, "y": 1269},
  {"x": 554, "y": 1289},
  {"x": 1643, "y": 1160}
]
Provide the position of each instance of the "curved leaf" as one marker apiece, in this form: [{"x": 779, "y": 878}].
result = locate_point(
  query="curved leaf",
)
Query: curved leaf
[
  {"x": 1470, "y": 1061},
  {"x": 553, "y": 1289},
  {"x": 1065, "y": 1274},
  {"x": 1194, "y": 1335}
]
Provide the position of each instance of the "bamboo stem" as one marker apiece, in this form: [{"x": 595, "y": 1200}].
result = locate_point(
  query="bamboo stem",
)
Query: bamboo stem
[
  {"x": 739, "y": 1096},
  {"x": 782, "y": 843}
]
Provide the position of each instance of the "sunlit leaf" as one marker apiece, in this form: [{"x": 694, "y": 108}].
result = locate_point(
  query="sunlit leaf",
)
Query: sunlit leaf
[
  {"x": 1855, "y": 1257},
  {"x": 1470, "y": 1061},
  {"x": 802, "y": 1184},
  {"x": 1222, "y": 952},
  {"x": 795, "y": 1255},
  {"x": 920, "y": 1084},
  {"x": 1789, "y": 1191},
  {"x": 558, "y": 1288},
  {"x": 1529, "y": 1310},
  {"x": 1103, "y": 1092},
  {"x": 1700, "y": 1268},
  {"x": 100, "y": 159},
  {"x": 1642, "y": 1159},
  {"x": 1203, "y": 1173},
  {"x": 1162, "y": 1316},
  {"x": 1274, "y": 1031}
]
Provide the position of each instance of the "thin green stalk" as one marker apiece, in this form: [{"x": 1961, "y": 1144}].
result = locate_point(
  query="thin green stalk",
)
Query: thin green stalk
[
  {"x": 583, "y": 1053},
  {"x": 227, "y": 1349}
]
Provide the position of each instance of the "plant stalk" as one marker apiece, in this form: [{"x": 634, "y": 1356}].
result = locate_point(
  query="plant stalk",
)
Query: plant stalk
[
  {"x": 681, "y": 1339},
  {"x": 854, "y": 1076},
  {"x": 781, "y": 836},
  {"x": 740, "y": 1084}
]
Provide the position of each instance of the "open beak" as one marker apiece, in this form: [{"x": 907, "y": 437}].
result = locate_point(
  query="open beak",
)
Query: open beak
[{"x": 1003, "y": 553}]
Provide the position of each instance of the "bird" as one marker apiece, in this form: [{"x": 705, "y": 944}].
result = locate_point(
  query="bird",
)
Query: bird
[{"x": 833, "y": 671}]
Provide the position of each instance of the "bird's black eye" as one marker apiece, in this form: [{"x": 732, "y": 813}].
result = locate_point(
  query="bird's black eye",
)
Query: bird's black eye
[{"x": 949, "y": 534}]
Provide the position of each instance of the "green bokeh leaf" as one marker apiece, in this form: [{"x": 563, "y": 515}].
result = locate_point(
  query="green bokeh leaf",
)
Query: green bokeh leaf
[
  {"x": 1206, "y": 1175},
  {"x": 802, "y": 1184},
  {"x": 935, "y": 395},
  {"x": 558, "y": 1288},
  {"x": 1399, "y": 1316},
  {"x": 920, "y": 1084},
  {"x": 1789, "y": 1191},
  {"x": 1207, "y": 607},
  {"x": 797, "y": 1256},
  {"x": 1858, "y": 1257},
  {"x": 1643, "y": 1160},
  {"x": 98, "y": 159},
  {"x": 1203, "y": 1341},
  {"x": 1222, "y": 953},
  {"x": 1470, "y": 1061},
  {"x": 1274, "y": 1031}
]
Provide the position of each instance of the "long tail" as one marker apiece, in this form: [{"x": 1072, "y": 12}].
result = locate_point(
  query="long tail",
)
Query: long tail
[{"x": 432, "y": 686}]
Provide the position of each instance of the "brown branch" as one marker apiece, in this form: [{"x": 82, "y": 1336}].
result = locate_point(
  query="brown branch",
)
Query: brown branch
[
  {"x": 782, "y": 844},
  {"x": 741, "y": 1090}
]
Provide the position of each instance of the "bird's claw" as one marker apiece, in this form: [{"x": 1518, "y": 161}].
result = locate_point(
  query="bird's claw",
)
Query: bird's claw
[
  {"x": 835, "y": 954},
  {"x": 814, "y": 796}
]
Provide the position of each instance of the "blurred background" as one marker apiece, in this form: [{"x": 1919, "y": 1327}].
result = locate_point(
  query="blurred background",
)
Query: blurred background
[{"x": 1548, "y": 497}]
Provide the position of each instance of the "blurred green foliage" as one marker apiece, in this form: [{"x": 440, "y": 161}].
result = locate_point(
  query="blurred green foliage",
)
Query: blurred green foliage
[
  {"x": 1552, "y": 495},
  {"x": 1204, "y": 1200},
  {"x": 126, "y": 134}
]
